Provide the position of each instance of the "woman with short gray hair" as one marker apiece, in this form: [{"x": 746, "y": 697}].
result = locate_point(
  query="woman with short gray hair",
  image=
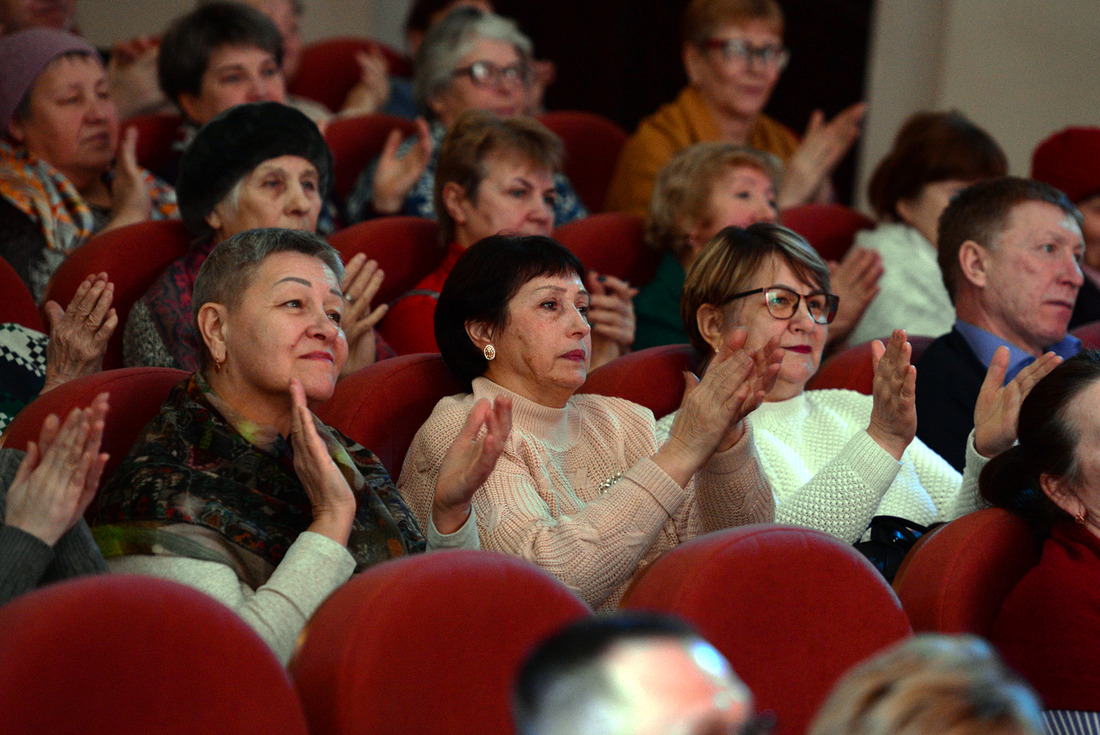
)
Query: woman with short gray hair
[{"x": 470, "y": 60}]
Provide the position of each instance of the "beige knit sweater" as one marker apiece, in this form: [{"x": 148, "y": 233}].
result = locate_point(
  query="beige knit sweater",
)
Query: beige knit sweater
[{"x": 544, "y": 503}]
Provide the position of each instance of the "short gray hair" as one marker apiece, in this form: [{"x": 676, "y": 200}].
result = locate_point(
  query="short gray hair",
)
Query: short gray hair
[
  {"x": 452, "y": 38},
  {"x": 229, "y": 269}
]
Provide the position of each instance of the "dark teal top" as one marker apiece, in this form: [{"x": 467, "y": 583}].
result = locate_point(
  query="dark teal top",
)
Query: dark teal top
[{"x": 657, "y": 307}]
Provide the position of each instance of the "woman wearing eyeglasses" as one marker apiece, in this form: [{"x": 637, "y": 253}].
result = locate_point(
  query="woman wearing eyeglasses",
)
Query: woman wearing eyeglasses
[
  {"x": 733, "y": 54},
  {"x": 470, "y": 60},
  {"x": 835, "y": 458}
]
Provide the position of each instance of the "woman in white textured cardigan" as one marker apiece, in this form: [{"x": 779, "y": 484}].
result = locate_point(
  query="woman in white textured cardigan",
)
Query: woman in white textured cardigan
[{"x": 835, "y": 458}]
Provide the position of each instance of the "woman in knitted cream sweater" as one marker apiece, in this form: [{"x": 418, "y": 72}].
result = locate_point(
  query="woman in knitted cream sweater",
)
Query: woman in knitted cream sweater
[
  {"x": 836, "y": 458},
  {"x": 581, "y": 487}
]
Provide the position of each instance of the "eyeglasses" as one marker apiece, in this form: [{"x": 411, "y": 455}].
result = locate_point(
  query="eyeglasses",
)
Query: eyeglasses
[
  {"x": 782, "y": 303},
  {"x": 486, "y": 73},
  {"x": 738, "y": 49}
]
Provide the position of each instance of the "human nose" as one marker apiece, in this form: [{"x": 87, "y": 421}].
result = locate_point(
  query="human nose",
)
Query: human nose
[
  {"x": 1073, "y": 274},
  {"x": 297, "y": 202},
  {"x": 801, "y": 321},
  {"x": 766, "y": 212},
  {"x": 323, "y": 327}
]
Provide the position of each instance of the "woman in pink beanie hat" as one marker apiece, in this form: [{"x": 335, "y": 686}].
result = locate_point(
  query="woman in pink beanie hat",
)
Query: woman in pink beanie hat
[
  {"x": 60, "y": 182},
  {"x": 1070, "y": 160}
]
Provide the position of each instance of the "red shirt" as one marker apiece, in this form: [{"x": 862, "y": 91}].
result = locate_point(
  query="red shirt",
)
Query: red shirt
[{"x": 409, "y": 325}]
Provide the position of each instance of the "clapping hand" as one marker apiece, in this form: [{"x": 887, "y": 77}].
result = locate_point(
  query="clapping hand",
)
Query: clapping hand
[
  {"x": 822, "y": 148},
  {"x": 58, "y": 478},
  {"x": 894, "y": 411},
  {"x": 998, "y": 406},
  {"x": 611, "y": 314},
  {"x": 362, "y": 280},
  {"x": 79, "y": 334},
  {"x": 855, "y": 281},
  {"x": 470, "y": 461},
  {"x": 130, "y": 199},
  {"x": 395, "y": 177}
]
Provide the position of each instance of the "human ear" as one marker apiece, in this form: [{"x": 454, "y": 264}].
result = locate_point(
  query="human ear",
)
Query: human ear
[
  {"x": 974, "y": 262},
  {"x": 214, "y": 329},
  {"x": 189, "y": 104},
  {"x": 479, "y": 333},
  {"x": 711, "y": 323},
  {"x": 1061, "y": 494},
  {"x": 905, "y": 209},
  {"x": 692, "y": 60},
  {"x": 214, "y": 219},
  {"x": 16, "y": 131},
  {"x": 454, "y": 196}
]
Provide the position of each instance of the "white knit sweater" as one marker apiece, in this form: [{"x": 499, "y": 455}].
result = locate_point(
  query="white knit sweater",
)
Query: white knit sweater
[
  {"x": 544, "y": 502},
  {"x": 827, "y": 473}
]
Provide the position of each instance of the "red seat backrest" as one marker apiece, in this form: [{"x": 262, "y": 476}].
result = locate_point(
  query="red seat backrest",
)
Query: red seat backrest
[
  {"x": 957, "y": 580},
  {"x": 427, "y": 644},
  {"x": 133, "y": 257},
  {"x": 1089, "y": 334},
  {"x": 17, "y": 306},
  {"x": 653, "y": 377},
  {"x": 612, "y": 244},
  {"x": 406, "y": 248},
  {"x": 136, "y": 396},
  {"x": 383, "y": 405},
  {"x": 136, "y": 654},
  {"x": 830, "y": 228},
  {"x": 792, "y": 609},
  {"x": 592, "y": 145},
  {"x": 328, "y": 70},
  {"x": 355, "y": 142},
  {"x": 156, "y": 136},
  {"x": 852, "y": 369}
]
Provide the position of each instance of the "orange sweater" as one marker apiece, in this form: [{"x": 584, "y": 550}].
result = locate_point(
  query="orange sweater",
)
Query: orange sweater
[{"x": 543, "y": 501}]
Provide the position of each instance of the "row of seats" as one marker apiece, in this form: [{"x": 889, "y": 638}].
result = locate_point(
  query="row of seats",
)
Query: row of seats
[{"x": 407, "y": 248}]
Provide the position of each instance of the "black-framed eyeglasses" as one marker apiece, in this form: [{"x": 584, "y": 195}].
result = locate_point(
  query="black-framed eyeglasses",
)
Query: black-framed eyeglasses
[
  {"x": 738, "y": 49},
  {"x": 486, "y": 73},
  {"x": 782, "y": 303}
]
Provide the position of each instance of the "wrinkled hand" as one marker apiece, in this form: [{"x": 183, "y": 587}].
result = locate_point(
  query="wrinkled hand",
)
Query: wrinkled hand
[
  {"x": 330, "y": 496},
  {"x": 611, "y": 314},
  {"x": 79, "y": 334},
  {"x": 130, "y": 199},
  {"x": 58, "y": 478},
  {"x": 998, "y": 406},
  {"x": 855, "y": 281},
  {"x": 395, "y": 177},
  {"x": 470, "y": 461},
  {"x": 132, "y": 76},
  {"x": 822, "y": 148},
  {"x": 373, "y": 88},
  {"x": 362, "y": 279},
  {"x": 894, "y": 411},
  {"x": 712, "y": 412}
]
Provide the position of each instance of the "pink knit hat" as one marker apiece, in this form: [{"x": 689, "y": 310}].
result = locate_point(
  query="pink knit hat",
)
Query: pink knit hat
[
  {"x": 23, "y": 56},
  {"x": 1070, "y": 160}
]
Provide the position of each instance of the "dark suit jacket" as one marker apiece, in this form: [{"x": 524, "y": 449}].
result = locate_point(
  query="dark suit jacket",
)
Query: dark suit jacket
[{"x": 949, "y": 378}]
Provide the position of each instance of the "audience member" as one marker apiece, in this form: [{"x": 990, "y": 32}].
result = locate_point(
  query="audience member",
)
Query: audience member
[
  {"x": 835, "y": 459},
  {"x": 1047, "y": 628},
  {"x": 733, "y": 54},
  {"x": 496, "y": 175},
  {"x": 931, "y": 685},
  {"x": 628, "y": 674},
  {"x": 236, "y": 488},
  {"x": 470, "y": 60},
  {"x": 32, "y": 363},
  {"x": 581, "y": 487},
  {"x": 19, "y": 15},
  {"x": 259, "y": 164},
  {"x": 1070, "y": 160},
  {"x": 59, "y": 180},
  {"x": 934, "y": 157},
  {"x": 43, "y": 494},
  {"x": 704, "y": 188},
  {"x": 1010, "y": 252}
]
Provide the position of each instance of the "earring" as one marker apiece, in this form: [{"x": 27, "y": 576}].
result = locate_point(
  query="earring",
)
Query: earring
[
  {"x": 218, "y": 365},
  {"x": 490, "y": 352},
  {"x": 1080, "y": 518}
]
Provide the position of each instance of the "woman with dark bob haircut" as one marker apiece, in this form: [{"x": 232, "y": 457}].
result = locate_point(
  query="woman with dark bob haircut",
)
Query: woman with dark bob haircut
[
  {"x": 935, "y": 156},
  {"x": 581, "y": 487},
  {"x": 1049, "y": 626}
]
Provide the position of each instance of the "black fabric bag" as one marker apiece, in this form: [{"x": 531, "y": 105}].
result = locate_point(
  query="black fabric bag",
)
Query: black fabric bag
[{"x": 891, "y": 539}]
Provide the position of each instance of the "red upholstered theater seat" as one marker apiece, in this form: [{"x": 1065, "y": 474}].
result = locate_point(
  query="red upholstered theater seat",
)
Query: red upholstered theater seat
[
  {"x": 17, "y": 305},
  {"x": 830, "y": 228},
  {"x": 1089, "y": 334},
  {"x": 957, "y": 580},
  {"x": 653, "y": 377},
  {"x": 406, "y": 248},
  {"x": 355, "y": 142},
  {"x": 328, "y": 69},
  {"x": 136, "y": 396},
  {"x": 383, "y": 405},
  {"x": 612, "y": 244},
  {"x": 133, "y": 257},
  {"x": 592, "y": 145},
  {"x": 427, "y": 644},
  {"x": 114, "y": 654},
  {"x": 156, "y": 136},
  {"x": 852, "y": 369},
  {"x": 792, "y": 609}
]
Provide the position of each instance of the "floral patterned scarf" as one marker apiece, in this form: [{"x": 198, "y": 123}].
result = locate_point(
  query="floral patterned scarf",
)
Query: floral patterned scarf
[{"x": 204, "y": 482}]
